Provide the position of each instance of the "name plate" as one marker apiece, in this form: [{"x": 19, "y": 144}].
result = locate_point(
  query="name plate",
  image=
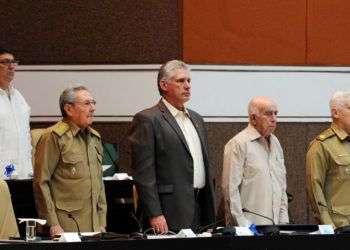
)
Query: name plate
[
  {"x": 325, "y": 229},
  {"x": 243, "y": 231},
  {"x": 69, "y": 237}
]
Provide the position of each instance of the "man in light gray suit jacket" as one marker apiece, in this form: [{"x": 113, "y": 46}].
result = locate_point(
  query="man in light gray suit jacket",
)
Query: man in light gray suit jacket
[{"x": 170, "y": 158}]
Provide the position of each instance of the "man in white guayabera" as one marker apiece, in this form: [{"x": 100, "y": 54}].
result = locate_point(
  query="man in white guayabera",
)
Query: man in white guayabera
[{"x": 15, "y": 143}]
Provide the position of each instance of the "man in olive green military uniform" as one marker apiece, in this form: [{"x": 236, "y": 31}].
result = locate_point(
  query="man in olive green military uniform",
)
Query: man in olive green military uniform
[
  {"x": 67, "y": 180},
  {"x": 8, "y": 225},
  {"x": 328, "y": 166}
]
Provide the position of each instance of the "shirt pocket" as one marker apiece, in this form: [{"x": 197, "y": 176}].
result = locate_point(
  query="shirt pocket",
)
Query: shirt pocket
[
  {"x": 342, "y": 167},
  {"x": 278, "y": 166},
  {"x": 72, "y": 166}
]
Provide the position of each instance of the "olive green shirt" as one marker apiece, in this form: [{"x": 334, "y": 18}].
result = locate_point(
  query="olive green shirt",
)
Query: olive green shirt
[
  {"x": 68, "y": 178},
  {"x": 328, "y": 176}
]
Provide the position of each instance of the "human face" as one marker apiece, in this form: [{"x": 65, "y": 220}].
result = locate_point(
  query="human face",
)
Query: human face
[
  {"x": 177, "y": 90},
  {"x": 7, "y": 70},
  {"x": 341, "y": 116},
  {"x": 81, "y": 112},
  {"x": 266, "y": 121}
]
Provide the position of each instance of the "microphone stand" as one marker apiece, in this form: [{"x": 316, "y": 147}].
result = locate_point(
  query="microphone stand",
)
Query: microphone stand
[
  {"x": 264, "y": 229},
  {"x": 342, "y": 229},
  {"x": 212, "y": 226},
  {"x": 77, "y": 225},
  {"x": 139, "y": 233}
]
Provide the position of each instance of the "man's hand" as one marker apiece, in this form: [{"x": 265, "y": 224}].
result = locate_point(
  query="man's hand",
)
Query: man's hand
[
  {"x": 159, "y": 224},
  {"x": 55, "y": 230},
  {"x": 102, "y": 229}
]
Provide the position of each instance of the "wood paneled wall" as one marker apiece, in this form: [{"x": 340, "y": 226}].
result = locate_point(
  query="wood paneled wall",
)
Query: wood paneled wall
[
  {"x": 273, "y": 32},
  {"x": 90, "y": 31}
]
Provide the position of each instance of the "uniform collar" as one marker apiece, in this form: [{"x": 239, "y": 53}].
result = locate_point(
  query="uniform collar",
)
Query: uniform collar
[
  {"x": 342, "y": 135},
  {"x": 174, "y": 111},
  {"x": 75, "y": 129}
]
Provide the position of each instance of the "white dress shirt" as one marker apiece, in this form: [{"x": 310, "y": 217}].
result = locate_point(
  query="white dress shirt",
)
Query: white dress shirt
[
  {"x": 15, "y": 142},
  {"x": 254, "y": 178},
  {"x": 183, "y": 120}
]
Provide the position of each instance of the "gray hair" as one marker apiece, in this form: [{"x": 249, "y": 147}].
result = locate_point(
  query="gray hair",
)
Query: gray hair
[
  {"x": 68, "y": 97},
  {"x": 338, "y": 99},
  {"x": 167, "y": 71}
]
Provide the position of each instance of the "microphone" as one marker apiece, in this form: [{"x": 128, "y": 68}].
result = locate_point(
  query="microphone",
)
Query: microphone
[
  {"x": 140, "y": 229},
  {"x": 76, "y": 223},
  {"x": 260, "y": 215},
  {"x": 342, "y": 229},
  {"x": 213, "y": 225},
  {"x": 264, "y": 229}
]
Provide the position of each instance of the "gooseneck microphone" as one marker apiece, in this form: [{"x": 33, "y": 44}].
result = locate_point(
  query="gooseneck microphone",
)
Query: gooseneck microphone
[
  {"x": 338, "y": 230},
  {"x": 265, "y": 229},
  {"x": 76, "y": 223},
  {"x": 213, "y": 226},
  {"x": 138, "y": 223},
  {"x": 260, "y": 215}
]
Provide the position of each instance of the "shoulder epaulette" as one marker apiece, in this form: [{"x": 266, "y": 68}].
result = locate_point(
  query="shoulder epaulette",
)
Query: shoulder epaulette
[
  {"x": 326, "y": 134},
  {"x": 60, "y": 128}
]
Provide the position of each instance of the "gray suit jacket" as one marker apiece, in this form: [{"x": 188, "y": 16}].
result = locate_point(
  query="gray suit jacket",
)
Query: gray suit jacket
[{"x": 163, "y": 167}]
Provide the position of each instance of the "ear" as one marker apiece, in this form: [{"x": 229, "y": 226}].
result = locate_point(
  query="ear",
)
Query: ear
[
  {"x": 252, "y": 119},
  {"x": 163, "y": 85},
  {"x": 69, "y": 109},
  {"x": 335, "y": 113}
]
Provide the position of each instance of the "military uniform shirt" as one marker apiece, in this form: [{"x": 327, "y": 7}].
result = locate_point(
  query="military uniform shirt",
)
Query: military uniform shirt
[
  {"x": 68, "y": 178},
  {"x": 328, "y": 176}
]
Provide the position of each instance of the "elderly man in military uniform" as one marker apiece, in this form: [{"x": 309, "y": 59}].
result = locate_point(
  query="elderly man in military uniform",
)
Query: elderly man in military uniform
[
  {"x": 68, "y": 184},
  {"x": 328, "y": 166}
]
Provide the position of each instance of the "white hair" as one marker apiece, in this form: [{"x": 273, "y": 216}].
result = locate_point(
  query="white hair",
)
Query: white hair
[
  {"x": 256, "y": 103},
  {"x": 338, "y": 99}
]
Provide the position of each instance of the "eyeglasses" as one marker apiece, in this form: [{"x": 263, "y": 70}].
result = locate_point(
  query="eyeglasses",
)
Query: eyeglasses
[
  {"x": 86, "y": 103},
  {"x": 8, "y": 62}
]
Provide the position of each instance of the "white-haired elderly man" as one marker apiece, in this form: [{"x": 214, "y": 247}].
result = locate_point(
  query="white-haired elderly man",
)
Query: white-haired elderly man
[
  {"x": 328, "y": 166},
  {"x": 254, "y": 175}
]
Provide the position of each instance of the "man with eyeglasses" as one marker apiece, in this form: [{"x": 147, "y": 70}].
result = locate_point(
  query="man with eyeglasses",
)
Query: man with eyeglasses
[
  {"x": 15, "y": 144},
  {"x": 68, "y": 187},
  {"x": 254, "y": 175},
  {"x": 170, "y": 157}
]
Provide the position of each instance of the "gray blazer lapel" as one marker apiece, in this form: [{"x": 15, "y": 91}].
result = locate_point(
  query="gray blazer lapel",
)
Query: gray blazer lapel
[{"x": 171, "y": 120}]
